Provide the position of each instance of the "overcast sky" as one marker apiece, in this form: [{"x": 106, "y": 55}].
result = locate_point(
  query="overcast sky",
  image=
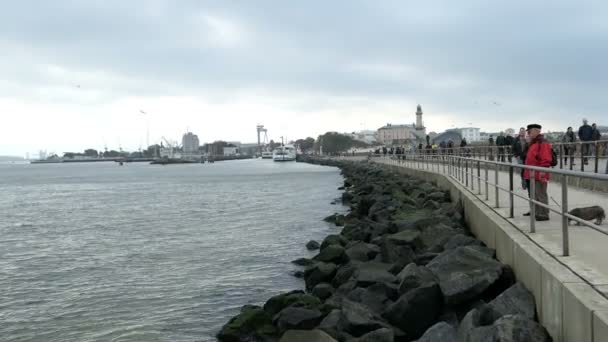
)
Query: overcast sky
[{"x": 75, "y": 74}]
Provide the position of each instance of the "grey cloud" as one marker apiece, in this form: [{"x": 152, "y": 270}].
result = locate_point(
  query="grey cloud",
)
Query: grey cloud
[{"x": 528, "y": 56}]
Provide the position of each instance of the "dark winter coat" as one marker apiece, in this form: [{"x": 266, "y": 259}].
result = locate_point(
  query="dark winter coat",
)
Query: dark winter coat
[{"x": 585, "y": 133}]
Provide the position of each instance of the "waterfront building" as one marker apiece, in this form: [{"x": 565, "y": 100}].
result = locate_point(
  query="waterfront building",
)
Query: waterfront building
[
  {"x": 472, "y": 134},
  {"x": 190, "y": 143},
  {"x": 231, "y": 151},
  {"x": 403, "y": 134}
]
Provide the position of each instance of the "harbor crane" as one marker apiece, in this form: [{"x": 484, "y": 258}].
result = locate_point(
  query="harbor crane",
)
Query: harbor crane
[{"x": 260, "y": 130}]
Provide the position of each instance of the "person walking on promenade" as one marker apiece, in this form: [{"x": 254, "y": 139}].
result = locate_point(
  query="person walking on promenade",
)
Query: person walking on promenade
[
  {"x": 509, "y": 140},
  {"x": 569, "y": 148},
  {"x": 585, "y": 134},
  {"x": 540, "y": 155},
  {"x": 491, "y": 144},
  {"x": 500, "y": 142},
  {"x": 519, "y": 148}
]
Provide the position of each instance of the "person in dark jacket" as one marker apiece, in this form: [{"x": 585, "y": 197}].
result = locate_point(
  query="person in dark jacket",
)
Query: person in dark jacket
[
  {"x": 509, "y": 140},
  {"x": 585, "y": 134},
  {"x": 569, "y": 147},
  {"x": 540, "y": 155},
  {"x": 519, "y": 151},
  {"x": 501, "y": 142}
]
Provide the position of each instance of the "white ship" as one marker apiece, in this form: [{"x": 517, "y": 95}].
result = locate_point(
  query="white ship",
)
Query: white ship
[{"x": 284, "y": 153}]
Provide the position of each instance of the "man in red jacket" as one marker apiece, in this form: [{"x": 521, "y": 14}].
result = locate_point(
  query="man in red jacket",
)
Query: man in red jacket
[{"x": 539, "y": 154}]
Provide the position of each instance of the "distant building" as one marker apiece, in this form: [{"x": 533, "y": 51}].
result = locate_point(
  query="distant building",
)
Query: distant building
[
  {"x": 366, "y": 136},
  {"x": 231, "y": 151},
  {"x": 472, "y": 134},
  {"x": 190, "y": 143},
  {"x": 403, "y": 134}
]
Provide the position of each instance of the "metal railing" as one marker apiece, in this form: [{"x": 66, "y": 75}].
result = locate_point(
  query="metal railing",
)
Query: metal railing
[
  {"x": 571, "y": 155},
  {"x": 473, "y": 172}
]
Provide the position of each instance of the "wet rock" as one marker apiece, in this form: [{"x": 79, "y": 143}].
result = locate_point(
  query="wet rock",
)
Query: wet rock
[
  {"x": 294, "y": 298},
  {"x": 440, "y": 332},
  {"x": 332, "y": 253},
  {"x": 464, "y": 273},
  {"x": 377, "y": 301},
  {"x": 319, "y": 273},
  {"x": 417, "y": 310},
  {"x": 424, "y": 258},
  {"x": 408, "y": 237},
  {"x": 251, "y": 323},
  {"x": 306, "y": 336},
  {"x": 333, "y": 239},
  {"x": 303, "y": 262},
  {"x": 519, "y": 328},
  {"x": 395, "y": 254},
  {"x": 323, "y": 291},
  {"x": 312, "y": 245},
  {"x": 297, "y": 318},
  {"x": 298, "y": 274}
]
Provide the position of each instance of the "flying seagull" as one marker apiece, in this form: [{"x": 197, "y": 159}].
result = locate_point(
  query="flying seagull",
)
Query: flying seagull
[
  {"x": 496, "y": 103},
  {"x": 141, "y": 111}
]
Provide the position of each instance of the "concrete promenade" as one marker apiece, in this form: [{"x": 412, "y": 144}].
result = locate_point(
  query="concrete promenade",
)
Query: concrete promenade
[{"x": 571, "y": 292}]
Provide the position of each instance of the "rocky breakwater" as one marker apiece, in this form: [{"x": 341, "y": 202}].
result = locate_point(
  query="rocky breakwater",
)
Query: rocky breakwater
[{"x": 403, "y": 268}]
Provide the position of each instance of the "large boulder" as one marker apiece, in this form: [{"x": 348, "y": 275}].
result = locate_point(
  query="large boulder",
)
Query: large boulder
[
  {"x": 437, "y": 235},
  {"x": 357, "y": 319},
  {"x": 414, "y": 276},
  {"x": 294, "y": 298},
  {"x": 306, "y": 336},
  {"x": 297, "y": 318},
  {"x": 440, "y": 332},
  {"x": 320, "y": 272},
  {"x": 356, "y": 232},
  {"x": 516, "y": 300},
  {"x": 331, "y": 253},
  {"x": 333, "y": 239},
  {"x": 323, "y": 291},
  {"x": 396, "y": 254},
  {"x": 372, "y": 272},
  {"x": 508, "y": 329},
  {"x": 464, "y": 273},
  {"x": 408, "y": 237},
  {"x": 374, "y": 298},
  {"x": 461, "y": 240},
  {"x": 330, "y": 324},
  {"x": 380, "y": 335},
  {"x": 251, "y": 323},
  {"x": 361, "y": 251},
  {"x": 343, "y": 275},
  {"x": 519, "y": 328},
  {"x": 417, "y": 310}
]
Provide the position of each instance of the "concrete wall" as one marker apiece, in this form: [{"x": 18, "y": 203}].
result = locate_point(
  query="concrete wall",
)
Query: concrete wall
[{"x": 570, "y": 309}]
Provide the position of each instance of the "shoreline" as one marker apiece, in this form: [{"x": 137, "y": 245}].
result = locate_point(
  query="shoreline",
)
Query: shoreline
[{"x": 403, "y": 268}]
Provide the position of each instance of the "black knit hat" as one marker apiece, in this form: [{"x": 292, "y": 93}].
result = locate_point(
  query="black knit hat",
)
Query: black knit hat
[{"x": 530, "y": 126}]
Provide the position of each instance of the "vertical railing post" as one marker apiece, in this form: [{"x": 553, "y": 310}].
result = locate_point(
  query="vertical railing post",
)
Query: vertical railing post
[
  {"x": 561, "y": 156},
  {"x": 478, "y": 177},
  {"x": 497, "y": 203},
  {"x": 532, "y": 205},
  {"x": 466, "y": 173},
  {"x": 583, "y": 155},
  {"x": 565, "y": 220},
  {"x": 511, "y": 195},
  {"x": 596, "y": 156},
  {"x": 487, "y": 182}
]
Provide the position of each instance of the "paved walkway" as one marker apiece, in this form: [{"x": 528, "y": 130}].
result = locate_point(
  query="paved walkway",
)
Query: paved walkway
[{"x": 588, "y": 247}]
